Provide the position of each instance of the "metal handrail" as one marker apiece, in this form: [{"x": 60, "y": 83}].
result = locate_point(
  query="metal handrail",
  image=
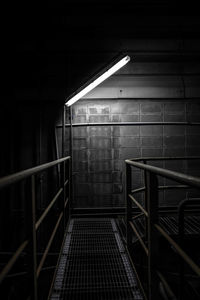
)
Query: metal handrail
[
  {"x": 14, "y": 178},
  {"x": 49, "y": 245},
  {"x": 38, "y": 223},
  {"x": 167, "y": 287},
  {"x": 129, "y": 123},
  {"x": 180, "y": 251},
  {"x": 12, "y": 260},
  {"x": 151, "y": 188},
  {"x": 30, "y": 173},
  {"x": 158, "y": 158},
  {"x": 177, "y": 176},
  {"x": 138, "y": 205},
  {"x": 162, "y": 187},
  {"x": 139, "y": 238}
]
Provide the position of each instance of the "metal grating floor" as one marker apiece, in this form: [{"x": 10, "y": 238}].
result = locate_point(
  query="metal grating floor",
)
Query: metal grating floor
[
  {"x": 170, "y": 225},
  {"x": 94, "y": 264}
]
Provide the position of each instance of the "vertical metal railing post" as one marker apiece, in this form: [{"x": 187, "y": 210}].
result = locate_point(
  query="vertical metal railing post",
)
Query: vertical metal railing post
[
  {"x": 69, "y": 187},
  {"x": 145, "y": 202},
  {"x": 143, "y": 259},
  {"x": 63, "y": 196},
  {"x": 33, "y": 246},
  {"x": 152, "y": 204},
  {"x": 128, "y": 206},
  {"x": 181, "y": 243},
  {"x": 63, "y": 169},
  {"x": 71, "y": 154}
]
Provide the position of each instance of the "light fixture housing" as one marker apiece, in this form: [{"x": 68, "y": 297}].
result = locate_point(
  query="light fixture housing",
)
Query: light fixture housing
[{"x": 107, "y": 72}]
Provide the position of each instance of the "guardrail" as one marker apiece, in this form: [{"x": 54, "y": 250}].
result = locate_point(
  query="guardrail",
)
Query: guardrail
[
  {"x": 29, "y": 174},
  {"x": 150, "y": 211}
]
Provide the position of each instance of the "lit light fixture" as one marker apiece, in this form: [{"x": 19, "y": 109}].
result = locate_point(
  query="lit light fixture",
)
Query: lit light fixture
[{"x": 118, "y": 65}]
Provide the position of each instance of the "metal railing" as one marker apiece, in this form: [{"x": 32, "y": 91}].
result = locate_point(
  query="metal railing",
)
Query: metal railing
[
  {"x": 33, "y": 226},
  {"x": 150, "y": 210}
]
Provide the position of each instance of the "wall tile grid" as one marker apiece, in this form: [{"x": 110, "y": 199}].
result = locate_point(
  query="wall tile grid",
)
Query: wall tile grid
[{"x": 99, "y": 151}]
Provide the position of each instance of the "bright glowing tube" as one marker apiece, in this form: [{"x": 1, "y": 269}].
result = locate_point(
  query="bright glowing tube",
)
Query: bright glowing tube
[{"x": 99, "y": 80}]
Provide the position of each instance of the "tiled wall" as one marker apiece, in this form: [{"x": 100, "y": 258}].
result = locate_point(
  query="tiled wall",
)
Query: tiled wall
[{"x": 99, "y": 151}]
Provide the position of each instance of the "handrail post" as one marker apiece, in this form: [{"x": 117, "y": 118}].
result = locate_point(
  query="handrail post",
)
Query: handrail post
[
  {"x": 181, "y": 243},
  {"x": 69, "y": 187},
  {"x": 71, "y": 159},
  {"x": 152, "y": 203},
  {"x": 128, "y": 206},
  {"x": 63, "y": 167},
  {"x": 32, "y": 246},
  {"x": 64, "y": 194},
  {"x": 145, "y": 201},
  {"x": 181, "y": 225},
  {"x": 145, "y": 207}
]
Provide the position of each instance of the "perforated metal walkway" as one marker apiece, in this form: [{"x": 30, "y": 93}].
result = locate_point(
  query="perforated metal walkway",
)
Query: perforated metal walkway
[
  {"x": 170, "y": 225},
  {"x": 94, "y": 264}
]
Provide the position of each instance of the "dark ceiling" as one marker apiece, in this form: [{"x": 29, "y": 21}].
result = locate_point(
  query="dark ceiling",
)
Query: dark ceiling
[{"x": 55, "y": 42}]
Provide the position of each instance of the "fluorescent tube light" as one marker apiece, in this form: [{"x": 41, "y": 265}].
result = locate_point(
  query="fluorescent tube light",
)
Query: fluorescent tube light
[{"x": 99, "y": 80}]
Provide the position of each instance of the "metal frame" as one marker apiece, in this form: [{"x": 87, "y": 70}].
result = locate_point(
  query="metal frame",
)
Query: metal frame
[
  {"x": 130, "y": 123},
  {"x": 33, "y": 225},
  {"x": 150, "y": 212},
  {"x": 187, "y": 203}
]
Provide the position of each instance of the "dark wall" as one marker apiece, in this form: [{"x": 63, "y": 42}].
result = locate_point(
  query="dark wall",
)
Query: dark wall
[
  {"x": 99, "y": 151},
  {"x": 27, "y": 134},
  {"x": 28, "y": 139},
  {"x": 160, "y": 84}
]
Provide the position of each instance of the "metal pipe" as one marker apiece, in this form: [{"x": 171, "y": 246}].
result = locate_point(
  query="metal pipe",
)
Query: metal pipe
[
  {"x": 192, "y": 203},
  {"x": 48, "y": 245},
  {"x": 181, "y": 221},
  {"x": 66, "y": 202},
  {"x": 72, "y": 161},
  {"x": 138, "y": 205},
  {"x": 99, "y": 214},
  {"x": 128, "y": 207},
  {"x": 137, "y": 216},
  {"x": 164, "y": 158},
  {"x": 63, "y": 132},
  {"x": 33, "y": 271},
  {"x": 152, "y": 204},
  {"x": 184, "y": 256},
  {"x": 69, "y": 188},
  {"x": 167, "y": 287},
  {"x": 145, "y": 202},
  {"x": 63, "y": 170},
  {"x": 187, "y": 179},
  {"x": 13, "y": 259},
  {"x": 14, "y": 178},
  {"x": 117, "y": 208},
  {"x": 57, "y": 154},
  {"x": 139, "y": 237},
  {"x": 132, "y": 123},
  {"x": 66, "y": 182},
  {"x": 142, "y": 189},
  {"x": 171, "y": 187},
  {"x": 178, "y": 75},
  {"x": 48, "y": 208},
  {"x": 33, "y": 243}
]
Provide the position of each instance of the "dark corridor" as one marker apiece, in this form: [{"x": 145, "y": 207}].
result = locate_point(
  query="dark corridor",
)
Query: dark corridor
[
  {"x": 144, "y": 251},
  {"x": 100, "y": 199}
]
